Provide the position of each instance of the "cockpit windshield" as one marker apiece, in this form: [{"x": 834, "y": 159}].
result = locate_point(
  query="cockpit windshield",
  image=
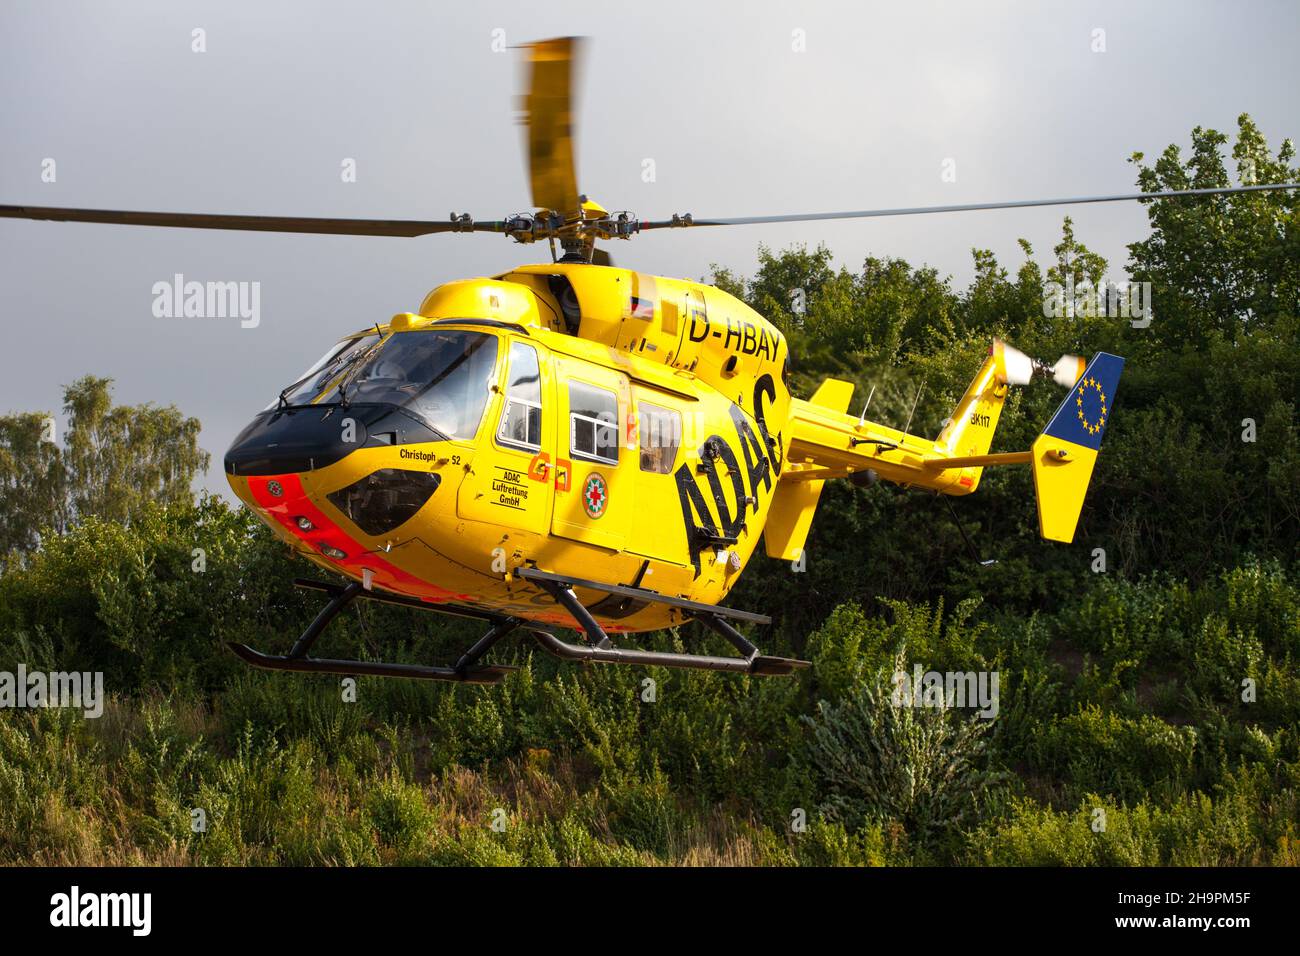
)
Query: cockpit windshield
[
  {"x": 442, "y": 376},
  {"x": 311, "y": 385}
]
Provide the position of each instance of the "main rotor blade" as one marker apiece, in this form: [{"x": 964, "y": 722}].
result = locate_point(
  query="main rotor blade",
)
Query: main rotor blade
[
  {"x": 680, "y": 221},
  {"x": 548, "y": 111},
  {"x": 189, "y": 220}
]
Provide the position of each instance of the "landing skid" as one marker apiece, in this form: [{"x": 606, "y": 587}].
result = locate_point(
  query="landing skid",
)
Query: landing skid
[
  {"x": 466, "y": 670},
  {"x": 491, "y": 674},
  {"x": 598, "y": 649}
]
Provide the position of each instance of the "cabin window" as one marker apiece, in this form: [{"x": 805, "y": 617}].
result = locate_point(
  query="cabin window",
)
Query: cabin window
[
  {"x": 593, "y": 423},
  {"x": 521, "y": 420},
  {"x": 660, "y": 433}
]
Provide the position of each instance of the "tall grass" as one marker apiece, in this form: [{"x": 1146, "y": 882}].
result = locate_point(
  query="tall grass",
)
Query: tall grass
[{"x": 1126, "y": 707}]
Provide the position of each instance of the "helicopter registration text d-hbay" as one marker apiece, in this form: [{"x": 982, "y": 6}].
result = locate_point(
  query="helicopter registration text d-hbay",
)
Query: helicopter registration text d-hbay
[{"x": 576, "y": 445}]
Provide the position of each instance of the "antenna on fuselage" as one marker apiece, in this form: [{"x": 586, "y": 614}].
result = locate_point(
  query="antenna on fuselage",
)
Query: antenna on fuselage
[
  {"x": 908, "y": 426},
  {"x": 862, "y": 419}
]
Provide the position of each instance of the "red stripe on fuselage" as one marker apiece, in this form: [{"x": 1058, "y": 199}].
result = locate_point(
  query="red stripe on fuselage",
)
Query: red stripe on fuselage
[{"x": 295, "y": 503}]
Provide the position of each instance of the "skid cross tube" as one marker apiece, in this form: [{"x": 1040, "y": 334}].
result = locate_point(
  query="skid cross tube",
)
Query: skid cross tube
[
  {"x": 341, "y": 599},
  {"x": 642, "y": 594},
  {"x": 738, "y": 640},
  {"x": 455, "y": 610},
  {"x": 564, "y": 594},
  {"x": 484, "y": 644}
]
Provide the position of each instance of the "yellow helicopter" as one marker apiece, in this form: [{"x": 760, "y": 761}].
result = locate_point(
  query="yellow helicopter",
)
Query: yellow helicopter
[{"x": 574, "y": 445}]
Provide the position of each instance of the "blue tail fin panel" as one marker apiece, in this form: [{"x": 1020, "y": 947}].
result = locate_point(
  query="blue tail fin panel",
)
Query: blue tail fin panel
[{"x": 1084, "y": 413}]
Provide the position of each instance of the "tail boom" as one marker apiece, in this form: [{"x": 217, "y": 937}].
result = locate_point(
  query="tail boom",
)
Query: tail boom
[
  {"x": 832, "y": 444},
  {"x": 827, "y": 443}
]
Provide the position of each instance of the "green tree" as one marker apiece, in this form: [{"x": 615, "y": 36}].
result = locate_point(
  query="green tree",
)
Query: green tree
[
  {"x": 884, "y": 761},
  {"x": 1220, "y": 264},
  {"x": 114, "y": 461},
  {"x": 772, "y": 289},
  {"x": 32, "y": 482},
  {"x": 121, "y": 456}
]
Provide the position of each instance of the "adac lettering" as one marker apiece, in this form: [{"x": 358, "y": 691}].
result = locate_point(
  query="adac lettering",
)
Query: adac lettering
[
  {"x": 715, "y": 451},
  {"x": 694, "y": 507},
  {"x": 716, "y": 460},
  {"x": 765, "y": 392},
  {"x": 756, "y": 463}
]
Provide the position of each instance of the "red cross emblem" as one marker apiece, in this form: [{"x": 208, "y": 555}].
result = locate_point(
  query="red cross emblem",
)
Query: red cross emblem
[{"x": 595, "y": 496}]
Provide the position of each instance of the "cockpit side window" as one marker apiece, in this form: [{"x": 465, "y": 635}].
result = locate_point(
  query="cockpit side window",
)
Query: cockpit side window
[{"x": 521, "y": 419}]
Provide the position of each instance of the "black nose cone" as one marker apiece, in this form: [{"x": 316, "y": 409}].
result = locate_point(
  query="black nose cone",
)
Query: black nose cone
[{"x": 302, "y": 438}]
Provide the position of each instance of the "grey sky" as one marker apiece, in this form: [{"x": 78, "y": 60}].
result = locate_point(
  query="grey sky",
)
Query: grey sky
[{"x": 736, "y": 122}]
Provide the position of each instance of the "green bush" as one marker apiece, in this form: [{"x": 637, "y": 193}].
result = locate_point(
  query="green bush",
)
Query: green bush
[
  {"x": 1094, "y": 750},
  {"x": 882, "y": 762}
]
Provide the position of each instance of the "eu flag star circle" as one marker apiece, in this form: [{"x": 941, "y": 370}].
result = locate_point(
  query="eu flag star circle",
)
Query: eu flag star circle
[{"x": 1091, "y": 405}]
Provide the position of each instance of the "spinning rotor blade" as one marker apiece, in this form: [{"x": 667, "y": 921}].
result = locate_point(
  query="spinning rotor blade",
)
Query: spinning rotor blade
[
  {"x": 681, "y": 221},
  {"x": 548, "y": 111},
  {"x": 186, "y": 220}
]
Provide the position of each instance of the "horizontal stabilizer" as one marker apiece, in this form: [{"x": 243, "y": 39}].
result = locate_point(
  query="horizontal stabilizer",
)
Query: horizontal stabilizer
[{"x": 833, "y": 394}]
